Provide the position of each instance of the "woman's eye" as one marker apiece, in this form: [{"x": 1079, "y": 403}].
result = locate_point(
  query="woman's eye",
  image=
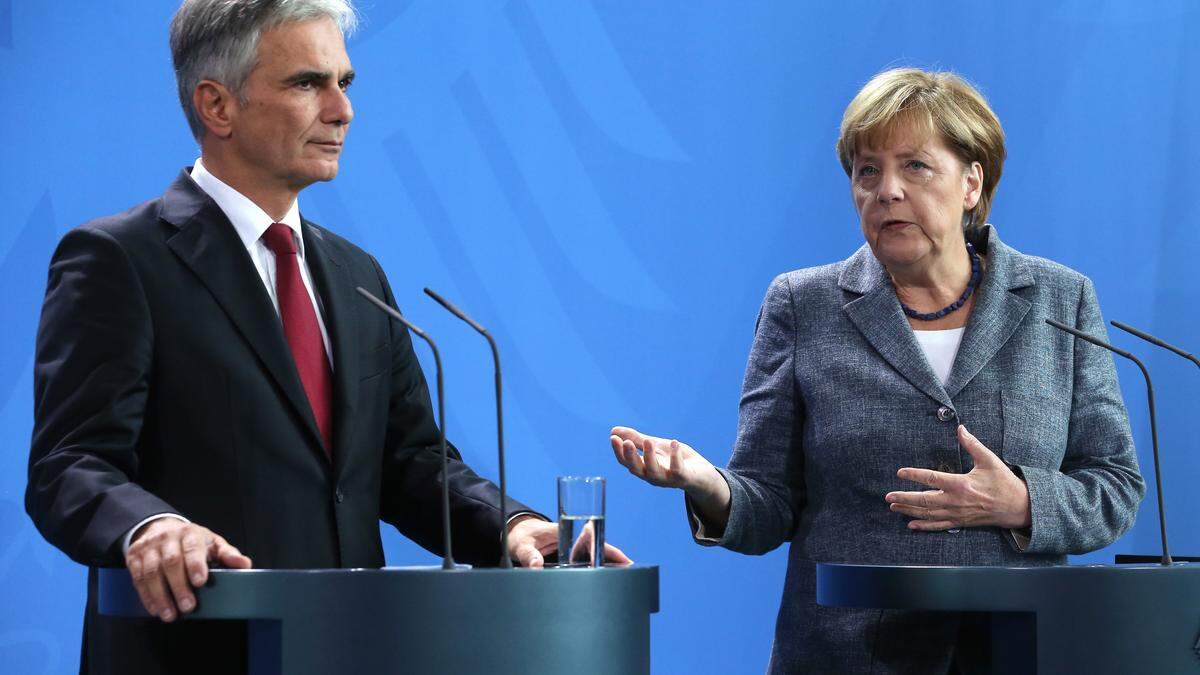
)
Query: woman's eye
[
  {"x": 867, "y": 171},
  {"x": 917, "y": 164}
]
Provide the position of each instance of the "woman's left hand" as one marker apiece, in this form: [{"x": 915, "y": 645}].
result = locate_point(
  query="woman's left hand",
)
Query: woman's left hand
[{"x": 990, "y": 494}]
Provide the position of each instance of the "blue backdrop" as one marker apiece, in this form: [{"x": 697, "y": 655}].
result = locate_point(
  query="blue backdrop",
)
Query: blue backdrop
[{"x": 611, "y": 187}]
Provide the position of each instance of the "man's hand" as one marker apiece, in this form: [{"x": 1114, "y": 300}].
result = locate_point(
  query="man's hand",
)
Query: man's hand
[
  {"x": 530, "y": 539},
  {"x": 167, "y": 557},
  {"x": 990, "y": 494}
]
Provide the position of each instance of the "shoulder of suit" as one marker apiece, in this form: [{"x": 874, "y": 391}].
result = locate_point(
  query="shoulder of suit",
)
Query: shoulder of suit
[
  {"x": 337, "y": 242},
  {"x": 808, "y": 279},
  {"x": 136, "y": 226},
  {"x": 1044, "y": 272}
]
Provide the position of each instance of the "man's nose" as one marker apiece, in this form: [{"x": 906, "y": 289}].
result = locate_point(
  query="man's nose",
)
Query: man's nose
[{"x": 337, "y": 108}]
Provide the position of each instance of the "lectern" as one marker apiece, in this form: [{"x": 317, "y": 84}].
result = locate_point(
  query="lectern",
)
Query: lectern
[
  {"x": 1061, "y": 619},
  {"x": 427, "y": 620}
]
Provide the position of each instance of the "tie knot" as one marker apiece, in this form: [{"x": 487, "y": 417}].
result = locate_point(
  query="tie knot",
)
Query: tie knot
[{"x": 279, "y": 239}]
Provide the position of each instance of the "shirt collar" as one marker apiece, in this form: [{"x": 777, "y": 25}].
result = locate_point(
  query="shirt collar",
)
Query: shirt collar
[{"x": 249, "y": 221}]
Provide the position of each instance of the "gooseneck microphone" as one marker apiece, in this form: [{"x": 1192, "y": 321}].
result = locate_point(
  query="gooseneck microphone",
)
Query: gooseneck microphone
[
  {"x": 448, "y": 556},
  {"x": 1162, "y": 518},
  {"x": 505, "y": 561},
  {"x": 1155, "y": 341}
]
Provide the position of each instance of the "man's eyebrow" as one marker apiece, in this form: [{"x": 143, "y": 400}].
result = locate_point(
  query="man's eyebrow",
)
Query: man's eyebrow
[
  {"x": 316, "y": 76},
  {"x": 309, "y": 76}
]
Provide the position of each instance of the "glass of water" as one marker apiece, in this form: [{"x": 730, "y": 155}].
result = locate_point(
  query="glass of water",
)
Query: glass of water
[{"x": 581, "y": 521}]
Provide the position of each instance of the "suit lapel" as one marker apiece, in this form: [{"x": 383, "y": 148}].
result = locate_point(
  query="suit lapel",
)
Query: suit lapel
[
  {"x": 336, "y": 290},
  {"x": 878, "y": 316},
  {"x": 207, "y": 243},
  {"x": 995, "y": 316}
]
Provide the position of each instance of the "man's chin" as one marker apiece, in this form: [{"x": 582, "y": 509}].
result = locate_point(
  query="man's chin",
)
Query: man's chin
[{"x": 317, "y": 174}]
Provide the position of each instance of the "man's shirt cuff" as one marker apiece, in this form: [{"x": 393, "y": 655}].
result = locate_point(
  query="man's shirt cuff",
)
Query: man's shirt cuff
[{"x": 128, "y": 539}]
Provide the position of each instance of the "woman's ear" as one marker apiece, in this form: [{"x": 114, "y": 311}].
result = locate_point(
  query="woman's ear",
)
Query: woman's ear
[{"x": 973, "y": 186}]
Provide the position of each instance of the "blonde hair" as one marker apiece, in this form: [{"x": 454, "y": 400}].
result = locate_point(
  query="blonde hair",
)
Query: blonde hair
[{"x": 925, "y": 101}]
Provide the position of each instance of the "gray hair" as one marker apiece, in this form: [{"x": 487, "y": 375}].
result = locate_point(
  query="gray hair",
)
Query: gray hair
[{"x": 218, "y": 40}]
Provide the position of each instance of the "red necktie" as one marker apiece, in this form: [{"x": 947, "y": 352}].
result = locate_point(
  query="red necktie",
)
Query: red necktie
[{"x": 301, "y": 329}]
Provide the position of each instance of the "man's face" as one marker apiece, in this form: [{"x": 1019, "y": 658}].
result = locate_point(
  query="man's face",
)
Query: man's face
[{"x": 289, "y": 134}]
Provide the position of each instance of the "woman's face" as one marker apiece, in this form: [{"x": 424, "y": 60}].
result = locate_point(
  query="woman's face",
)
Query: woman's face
[{"x": 911, "y": 196}]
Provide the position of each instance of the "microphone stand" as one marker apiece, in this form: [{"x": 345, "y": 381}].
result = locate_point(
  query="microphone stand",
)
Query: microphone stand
[
  {"x": 1162, "y": 518},
  {"x": 505, "y": 560},
  {"x": 448, "y": 556}
]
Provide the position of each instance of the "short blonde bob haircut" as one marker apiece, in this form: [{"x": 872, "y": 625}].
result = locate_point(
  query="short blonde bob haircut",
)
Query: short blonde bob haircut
[{"x": 927, "y": 102}]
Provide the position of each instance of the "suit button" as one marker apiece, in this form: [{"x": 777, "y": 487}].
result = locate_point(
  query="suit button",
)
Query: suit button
[
  {"x": 338, "y": 496},
  {"x": 946, "y": 413},
  {"x": 943, "y": 467}
]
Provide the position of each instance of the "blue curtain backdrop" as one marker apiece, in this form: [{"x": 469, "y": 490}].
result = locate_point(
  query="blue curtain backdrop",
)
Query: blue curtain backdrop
[{"x": 611, "y": 186}]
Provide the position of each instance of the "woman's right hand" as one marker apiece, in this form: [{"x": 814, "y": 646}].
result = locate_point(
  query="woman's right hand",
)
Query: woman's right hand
[
  {"x": 661, "y": 461},
  {"x": 669, "y": 463}
]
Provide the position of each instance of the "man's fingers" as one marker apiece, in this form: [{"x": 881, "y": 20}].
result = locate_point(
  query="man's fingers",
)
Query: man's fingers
[
  {"x": 979, "y": 452},
  {"x": 615, "y": 555},
  {"x": 225, "y": 553},
  {"x": 154, "y": 586},
  {"x": 134, "y": 563},
  {"x": 529, "y": 556},
  {"x": 195, "y": 557},
  {"x": 176, "y": 575}
]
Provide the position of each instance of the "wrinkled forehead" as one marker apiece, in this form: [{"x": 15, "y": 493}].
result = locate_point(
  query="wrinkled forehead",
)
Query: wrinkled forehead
[{"x": 313, "y": 45}]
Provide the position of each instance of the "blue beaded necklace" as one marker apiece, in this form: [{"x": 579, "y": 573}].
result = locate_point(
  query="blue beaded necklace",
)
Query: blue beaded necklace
[{"x": 957, "y": 304}]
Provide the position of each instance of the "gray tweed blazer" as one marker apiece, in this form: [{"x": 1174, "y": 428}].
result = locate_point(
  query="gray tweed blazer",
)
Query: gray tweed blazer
[{"x": 838, "y": 396}]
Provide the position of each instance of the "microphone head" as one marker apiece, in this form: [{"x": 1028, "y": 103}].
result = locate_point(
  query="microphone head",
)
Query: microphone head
[{"x": 450, "y": 307}]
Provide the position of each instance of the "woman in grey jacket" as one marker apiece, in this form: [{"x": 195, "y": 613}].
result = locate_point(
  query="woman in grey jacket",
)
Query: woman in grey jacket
[{"x": 909, "y": 405}]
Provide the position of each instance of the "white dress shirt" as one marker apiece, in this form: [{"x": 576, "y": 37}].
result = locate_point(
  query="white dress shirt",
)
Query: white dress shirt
[{"x": 251, "y": 222}]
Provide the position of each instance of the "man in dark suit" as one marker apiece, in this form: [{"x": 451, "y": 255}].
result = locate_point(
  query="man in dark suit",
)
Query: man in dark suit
[{"x": 208, "y": 385}]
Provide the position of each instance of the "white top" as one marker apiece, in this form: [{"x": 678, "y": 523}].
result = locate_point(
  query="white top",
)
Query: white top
[
  {"x": 940, "y": 347},
  {"x": 251, "y": 222}
]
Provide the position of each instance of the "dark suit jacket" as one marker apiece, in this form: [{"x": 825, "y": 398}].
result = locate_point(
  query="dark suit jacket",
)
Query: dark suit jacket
[
  {"x": 838, "y": 396},
  {"x": 163, "y": 383}
]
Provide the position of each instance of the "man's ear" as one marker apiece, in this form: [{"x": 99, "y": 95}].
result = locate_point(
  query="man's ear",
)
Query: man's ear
[{"x": 216, "y": 106}]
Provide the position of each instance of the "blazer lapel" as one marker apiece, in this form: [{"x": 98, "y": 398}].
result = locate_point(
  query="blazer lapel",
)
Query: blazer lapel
[
  {"x": 207, "y": 243},
  {"x": 336, "y": 290},
  {"x": 878, "y": 316},
  {"x": 996, "y": 314}
]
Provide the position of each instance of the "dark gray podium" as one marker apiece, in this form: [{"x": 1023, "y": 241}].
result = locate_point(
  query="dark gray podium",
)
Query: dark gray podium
[
  {"x": 426, "y": 620},
  {"x": 1064, "y": 619}
]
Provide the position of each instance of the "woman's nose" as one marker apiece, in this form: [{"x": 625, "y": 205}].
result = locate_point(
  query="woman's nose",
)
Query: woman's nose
[{"x": 890, "y": 189}]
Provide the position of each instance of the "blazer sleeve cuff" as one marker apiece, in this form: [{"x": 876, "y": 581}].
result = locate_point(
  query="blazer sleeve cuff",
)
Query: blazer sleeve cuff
[
  {"x": 704, "y": 534},
  {"x": 1040, "y": 537}
]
